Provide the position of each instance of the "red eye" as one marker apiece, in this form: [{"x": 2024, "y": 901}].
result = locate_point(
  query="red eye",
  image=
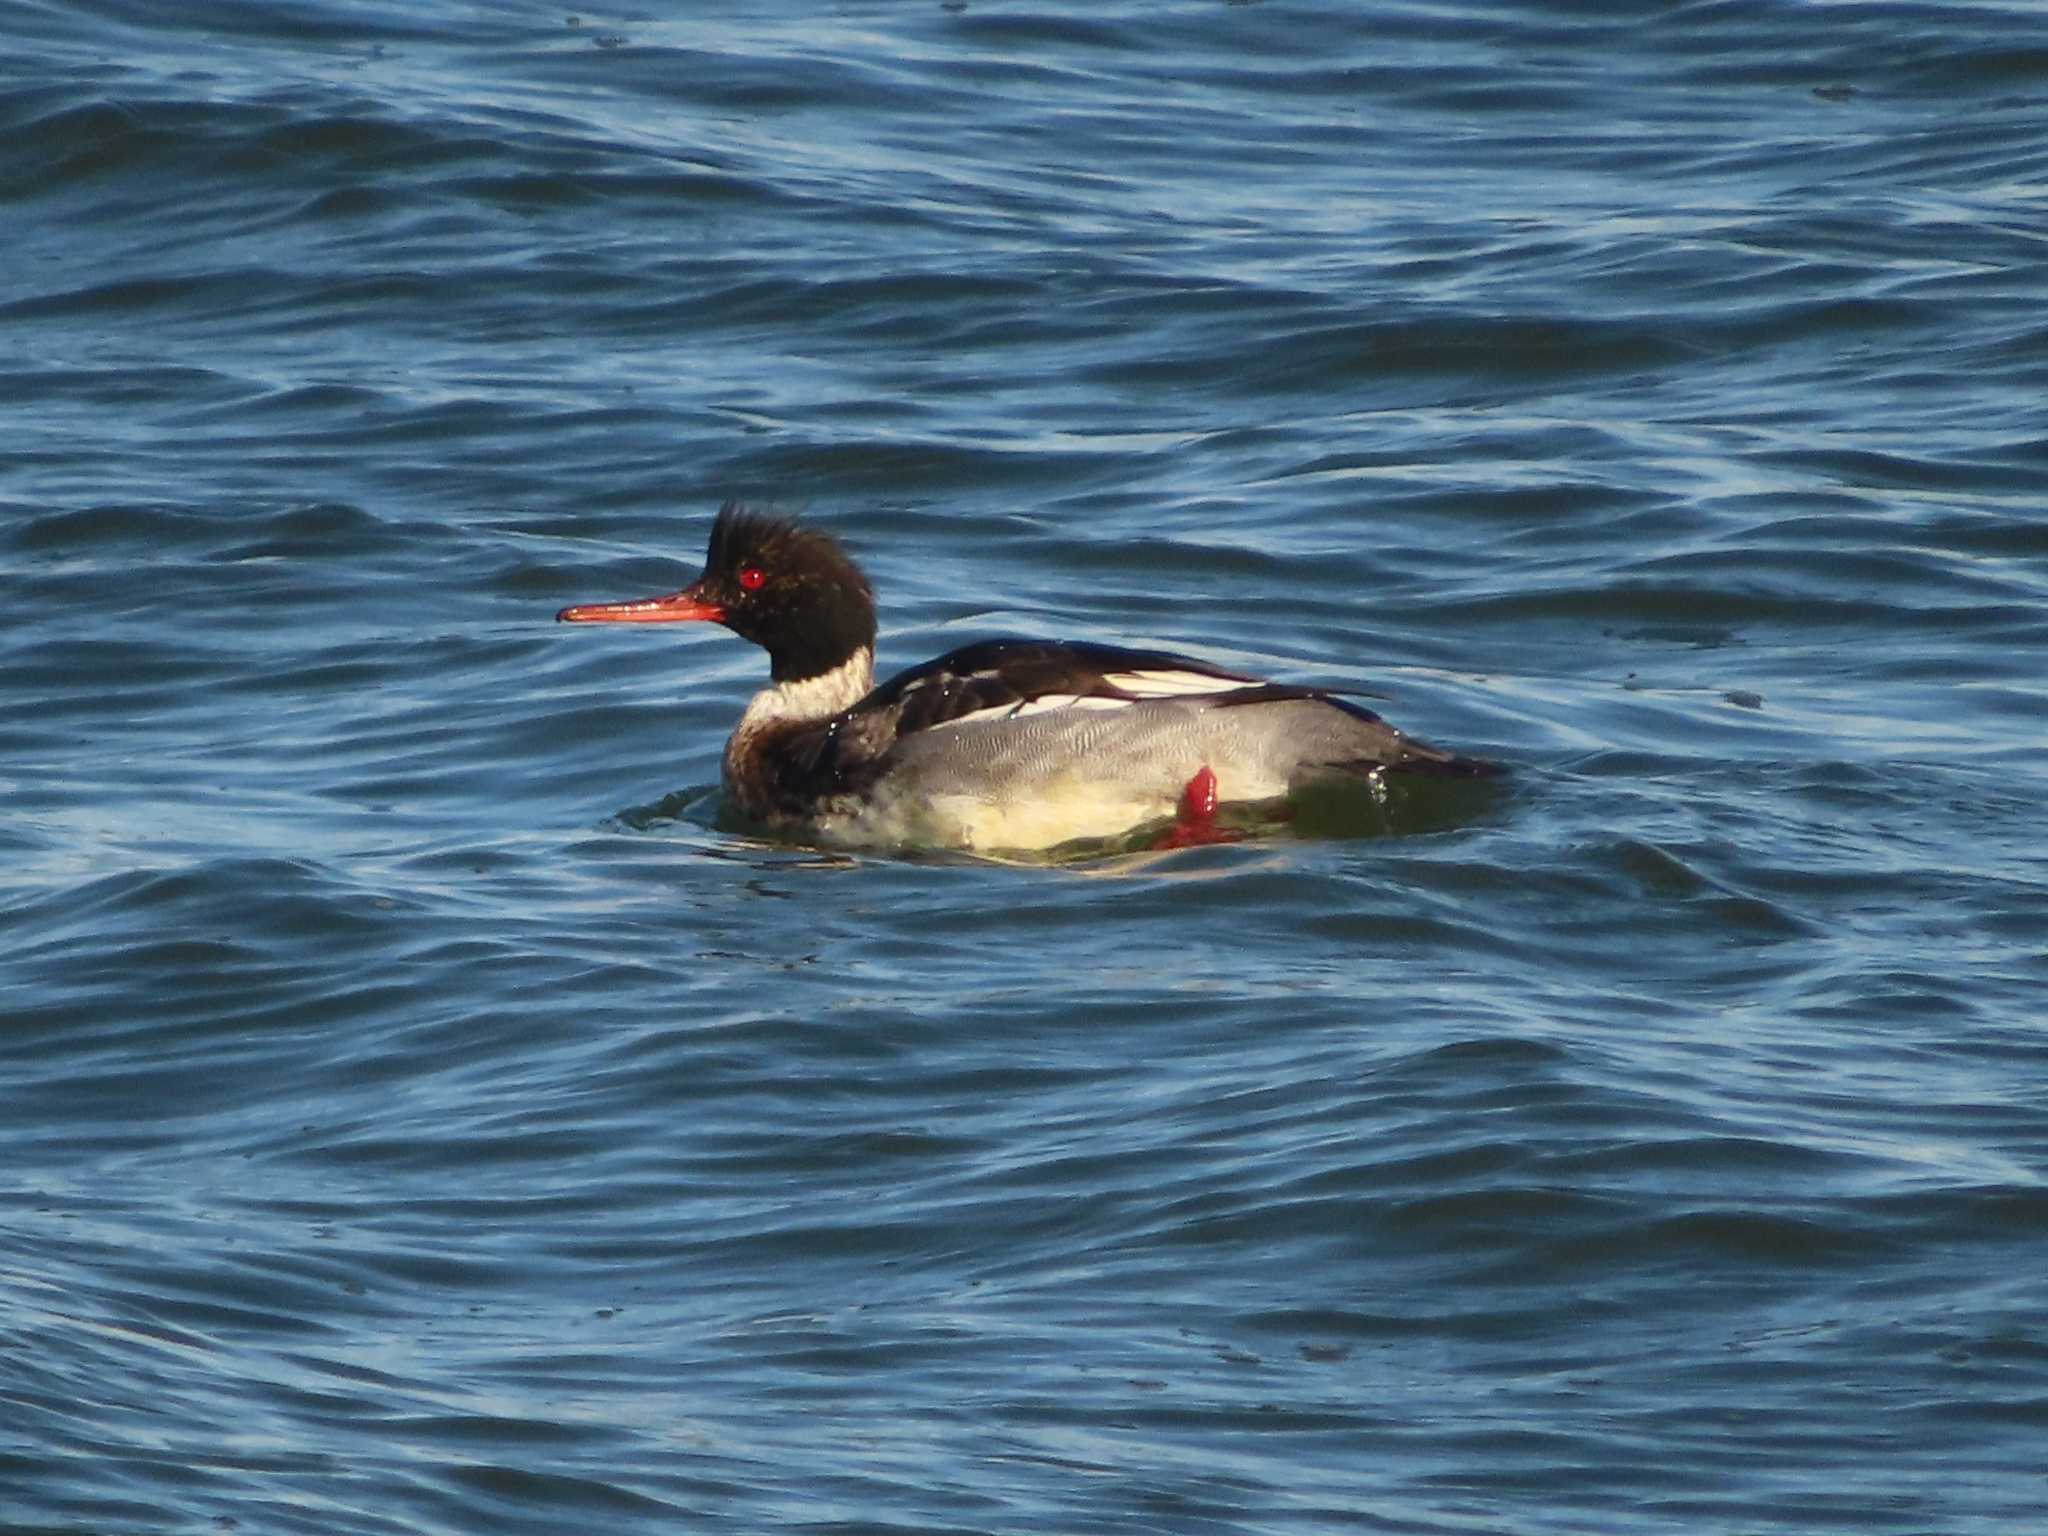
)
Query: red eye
[{"x": 752, "y": 578}]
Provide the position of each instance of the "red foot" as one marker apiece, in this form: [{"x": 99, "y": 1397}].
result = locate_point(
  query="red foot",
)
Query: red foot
[{"x": 1195, "y": 822}]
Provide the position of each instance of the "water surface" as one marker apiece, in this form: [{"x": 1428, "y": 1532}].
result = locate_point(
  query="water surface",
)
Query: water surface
[{"x": 423, "y": 1112}]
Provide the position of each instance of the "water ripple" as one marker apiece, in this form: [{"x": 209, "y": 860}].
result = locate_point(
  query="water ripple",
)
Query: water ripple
[{"x": 408, "y": 1064}]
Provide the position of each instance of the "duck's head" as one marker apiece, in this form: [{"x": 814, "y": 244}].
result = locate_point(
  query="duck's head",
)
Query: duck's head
[{"x": 790, "y": 589}]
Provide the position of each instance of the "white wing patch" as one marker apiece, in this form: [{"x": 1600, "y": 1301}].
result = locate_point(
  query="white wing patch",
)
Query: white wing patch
[
  {"x": 1140, "y": 685},
  {"x": 1167, "y": 685}
]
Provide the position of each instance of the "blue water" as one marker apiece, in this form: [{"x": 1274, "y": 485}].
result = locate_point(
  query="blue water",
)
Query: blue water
[{"x": 423, "y": 1111}]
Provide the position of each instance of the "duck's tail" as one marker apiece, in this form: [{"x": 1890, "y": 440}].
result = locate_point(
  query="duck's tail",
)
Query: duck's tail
[{"x": 1419, "y": 757}]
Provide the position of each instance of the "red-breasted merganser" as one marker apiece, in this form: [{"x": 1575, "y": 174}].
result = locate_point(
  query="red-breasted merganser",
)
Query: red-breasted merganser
[{"x": 1005, "y": 744}]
